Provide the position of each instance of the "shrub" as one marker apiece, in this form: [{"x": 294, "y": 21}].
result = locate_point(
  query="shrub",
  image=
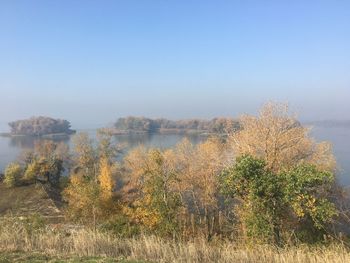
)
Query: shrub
[
  {"x": 121, "y": 226},
  {"x": 12, "y": 176},
  {"x": 31, "y": 172},
  {"x": 270, "y": 203}
]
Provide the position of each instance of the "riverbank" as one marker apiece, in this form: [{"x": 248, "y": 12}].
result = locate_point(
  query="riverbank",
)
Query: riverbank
[
  {"x": 43, "y": 136},
  {"x": 114, "y": 131}
]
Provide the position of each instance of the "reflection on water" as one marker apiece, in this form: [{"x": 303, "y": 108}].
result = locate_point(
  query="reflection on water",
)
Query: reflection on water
[
  {"x": 10, "y": 148},
  {"x": 27, "y": 142},
  {"x": 155, "y": 140}
]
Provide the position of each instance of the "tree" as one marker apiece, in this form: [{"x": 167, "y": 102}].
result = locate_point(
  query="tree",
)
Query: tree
[
  {"x": 90, "y": 191},
  {"x": 268, "y": 202},
  {"x": 106, "y": 180},
  {"x": 308, "y": 191},
  {"x": 31, "y": 172},
  {"x": 85, "y": 157},
  {"x": 154, "y": 202},
  {"x": 51, "y": 170},
  {"x": 142, "y": 124},
  {"x": 45, "y": 163},
  {"x": 277, "y": 137},
  {"x": 260, "y": 196},
  {"x": 199, "y": 168},
  {"x": 13, "y": 173},
  {"x": 106, "y": 147},
  {"x": 83, "y": 198},
  {"x": 37, "y": 126},
  {"x": 52, "y": 150}
]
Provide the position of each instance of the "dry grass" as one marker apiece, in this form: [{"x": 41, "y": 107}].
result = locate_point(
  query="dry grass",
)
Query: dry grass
[
  {"x": 26, "y": 200},
  {"x": 14, "y": 236}
]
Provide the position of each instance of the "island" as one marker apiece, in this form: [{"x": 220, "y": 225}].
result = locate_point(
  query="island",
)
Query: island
[
  {"x": 41, "y": 127},
  {"x": 132, "y": 125}
]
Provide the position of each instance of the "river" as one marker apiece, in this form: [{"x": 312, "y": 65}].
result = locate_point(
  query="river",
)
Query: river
[{"x": 10, "y": 148}]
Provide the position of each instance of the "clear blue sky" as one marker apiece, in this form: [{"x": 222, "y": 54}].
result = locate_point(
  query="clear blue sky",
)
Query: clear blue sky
[{"x": 93, "y": 61}]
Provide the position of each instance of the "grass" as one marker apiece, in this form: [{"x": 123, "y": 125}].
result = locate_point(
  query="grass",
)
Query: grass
[
  {"x": 60, "y": 245},
  {"x": 38, "y": 257},
  {"x": 28, "y": 199}
]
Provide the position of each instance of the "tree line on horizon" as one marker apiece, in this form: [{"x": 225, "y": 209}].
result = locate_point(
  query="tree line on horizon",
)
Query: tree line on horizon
[
  {"x": 38, "y": 126},
  {"x": 268, "y": 182},
  {"x": 142, "y": 124}
]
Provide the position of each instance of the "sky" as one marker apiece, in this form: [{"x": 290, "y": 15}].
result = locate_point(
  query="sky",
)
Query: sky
[{"x": 93, "y": 61}]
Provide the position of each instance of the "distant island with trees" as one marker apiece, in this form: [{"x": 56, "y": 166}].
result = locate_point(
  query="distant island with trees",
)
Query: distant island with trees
[
  {"x": 131, "y": 124},
  {"x": 40, "y": 126}
]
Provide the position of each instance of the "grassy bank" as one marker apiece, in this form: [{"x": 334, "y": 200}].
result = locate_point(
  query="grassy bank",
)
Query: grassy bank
[{"x": 57, "y": 243}]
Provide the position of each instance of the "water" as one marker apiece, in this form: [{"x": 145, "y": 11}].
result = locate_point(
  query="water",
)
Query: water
[
  {"x": 10, "y": 148},
  {"x": 340, "y": 139}
]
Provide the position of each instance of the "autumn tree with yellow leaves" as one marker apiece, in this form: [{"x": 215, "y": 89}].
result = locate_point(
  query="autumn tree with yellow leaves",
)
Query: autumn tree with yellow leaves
[
  {"x": 90, "y": 191},
  {"x": 277, "y": 137},
  {"x": 154, "y": 202},
  {"x": 105, "y": 178},
  {"x": 283, "y": 181},
  {"x": 199, "y": 167}
]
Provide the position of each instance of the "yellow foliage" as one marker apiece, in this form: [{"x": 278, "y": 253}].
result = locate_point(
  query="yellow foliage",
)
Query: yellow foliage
[
  {"x": 106, "y": 179},
  {"x": 83, "y": 199},
  {"x": 200, "y": 167},
  {"x": 277, "y": 137},
  {"x": 85, "y": 155}
]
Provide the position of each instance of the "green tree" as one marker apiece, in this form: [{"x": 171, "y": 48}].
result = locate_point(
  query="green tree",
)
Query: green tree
[
  {"x": 260, "y": 194},
  {"x": 267, "y": 201},
  {"x": 308, "y": 191}
]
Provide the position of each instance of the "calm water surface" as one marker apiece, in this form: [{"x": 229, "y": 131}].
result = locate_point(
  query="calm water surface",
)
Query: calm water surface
[{"x": 10, "y": 148}]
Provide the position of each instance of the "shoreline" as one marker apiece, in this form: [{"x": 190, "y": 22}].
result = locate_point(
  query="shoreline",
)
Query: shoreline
[
  {"x": 48, "y": 136},
  {"x": 116, "y": 132}
]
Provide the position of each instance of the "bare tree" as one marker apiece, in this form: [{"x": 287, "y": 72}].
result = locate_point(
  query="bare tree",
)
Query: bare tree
[{"x": 276, "y": 136}]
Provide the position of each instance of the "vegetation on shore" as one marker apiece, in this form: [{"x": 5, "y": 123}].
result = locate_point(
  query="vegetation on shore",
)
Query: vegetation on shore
[
  {"x": 145, "y": 125},
  {"x": 40, "y": 126},
  {"x": 268, "y": 184}
]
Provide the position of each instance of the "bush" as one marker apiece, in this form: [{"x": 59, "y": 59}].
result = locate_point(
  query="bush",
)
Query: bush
[
  {"x": 120, "y": 225},
  {"x": 31, "y": 172},
  {"x": 270, "y": 204},
  {"x": 13, "y": 174}
]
